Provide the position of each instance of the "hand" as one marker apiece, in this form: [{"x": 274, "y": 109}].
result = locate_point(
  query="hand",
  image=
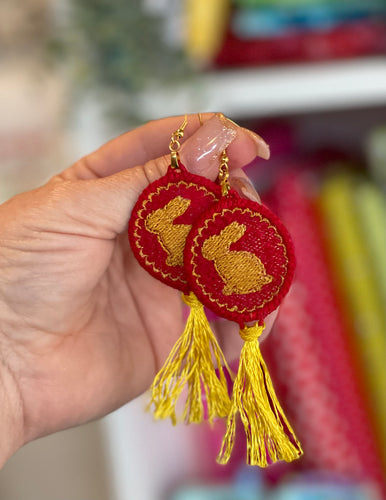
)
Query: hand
[{"x": 83, "y": 328}]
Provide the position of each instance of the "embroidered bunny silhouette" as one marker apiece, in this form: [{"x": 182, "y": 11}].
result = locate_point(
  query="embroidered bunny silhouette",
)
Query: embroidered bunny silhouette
[
  {"x": 171, "y": 236},
  {"x": 242, "y": 271}
]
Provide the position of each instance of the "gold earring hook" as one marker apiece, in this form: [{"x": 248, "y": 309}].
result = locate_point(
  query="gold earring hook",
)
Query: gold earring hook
[
  {"x": 175, "y": 145},
  {"x": 223, "y": 174}
]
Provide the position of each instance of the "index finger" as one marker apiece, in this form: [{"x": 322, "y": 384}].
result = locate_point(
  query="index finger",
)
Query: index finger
[
  {"x": 135, "y": 147},
  {"x": 151, "y": 141}
]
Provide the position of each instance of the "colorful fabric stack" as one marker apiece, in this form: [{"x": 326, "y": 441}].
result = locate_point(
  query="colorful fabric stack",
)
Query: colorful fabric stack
[
  {"x": 353, "y": 217},
  {"x": 313, "y": 353},
  {"x": 274, "y": 31}
]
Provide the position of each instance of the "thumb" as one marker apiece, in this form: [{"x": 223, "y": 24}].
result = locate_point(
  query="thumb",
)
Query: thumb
[{"x": 105, "y": 204}]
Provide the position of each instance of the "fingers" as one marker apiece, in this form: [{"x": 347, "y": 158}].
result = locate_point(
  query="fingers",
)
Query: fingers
[
  {"x": 243, "y": 185},
  {"x": 108, "y": 200},
  {"x": 110, "y": 189},
  {"x": 135, "y": 147},
  {"x": 201, "y": 152},
  {"x": 151, "y": 141}
]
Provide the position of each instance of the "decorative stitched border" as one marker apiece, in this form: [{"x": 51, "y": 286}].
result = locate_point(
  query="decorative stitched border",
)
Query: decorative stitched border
[
  {"x": 233, "y": 204},
  {"x": 173, "y": 179}
]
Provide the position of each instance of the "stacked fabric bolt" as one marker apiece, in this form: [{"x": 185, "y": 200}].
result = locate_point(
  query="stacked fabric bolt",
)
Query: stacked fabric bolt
[
  {"x": 312, "y": 348},
  {"x": 353, "y": 219},
  {"x": 271, "y": 31}
]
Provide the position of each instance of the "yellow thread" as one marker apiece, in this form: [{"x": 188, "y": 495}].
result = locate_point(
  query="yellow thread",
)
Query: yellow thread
[
  {"x": 251, "y": 333},
  {"x": 170, "y": 236},
  {"x": 242, "y": 272},
  {"x": 260, "y": 411},
  {"x": 139, "y": 220},
  {"x": 195, "y": 246},
  {"x": 191, "y": 362}
]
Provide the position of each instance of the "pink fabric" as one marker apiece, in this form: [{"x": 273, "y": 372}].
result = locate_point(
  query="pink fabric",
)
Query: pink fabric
[{"x": 309, "y": 347}]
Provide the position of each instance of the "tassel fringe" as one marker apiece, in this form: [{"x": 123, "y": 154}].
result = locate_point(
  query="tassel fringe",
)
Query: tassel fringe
[
  {"x": 260, "y": 411},
  {"x": 191, "y": 363}
]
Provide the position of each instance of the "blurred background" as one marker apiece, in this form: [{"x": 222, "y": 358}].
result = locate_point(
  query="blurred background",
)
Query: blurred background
[{"x": 310, "y": 77}]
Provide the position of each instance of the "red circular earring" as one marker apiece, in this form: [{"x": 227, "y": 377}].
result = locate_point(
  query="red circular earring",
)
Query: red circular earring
[
  {"x": 240, "y": 262},
  {"x": 159, "y": 225}
]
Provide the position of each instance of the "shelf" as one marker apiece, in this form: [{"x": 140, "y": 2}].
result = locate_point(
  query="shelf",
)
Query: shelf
[{"x": 278, "y": 90}]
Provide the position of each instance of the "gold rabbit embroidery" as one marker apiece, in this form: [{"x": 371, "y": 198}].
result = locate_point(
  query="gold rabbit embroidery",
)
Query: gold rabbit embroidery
[
  {"x": 242, "y": 271},
  {"x": 171, "y": 236}
]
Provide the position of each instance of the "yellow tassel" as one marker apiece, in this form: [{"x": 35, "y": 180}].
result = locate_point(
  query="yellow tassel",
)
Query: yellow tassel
[
  {"x": 260, "y": 411},
  {"x": 191, "y": 362}
]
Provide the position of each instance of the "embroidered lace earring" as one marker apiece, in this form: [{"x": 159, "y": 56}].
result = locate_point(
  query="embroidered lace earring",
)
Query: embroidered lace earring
[
  {"x": 240, "y": 262},
  {"x": 158, "y": 228}
]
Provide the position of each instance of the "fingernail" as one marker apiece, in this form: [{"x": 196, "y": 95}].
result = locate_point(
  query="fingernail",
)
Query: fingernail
[
  {"x": 244, "y": 187},
  {"x": 200, "y": 154},
  {"x": 262, "y": 147}
]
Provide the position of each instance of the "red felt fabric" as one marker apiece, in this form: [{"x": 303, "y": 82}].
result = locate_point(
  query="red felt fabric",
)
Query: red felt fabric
[
  {"x": 146, "y": 245},
  {"x": 265, "y": 237}
]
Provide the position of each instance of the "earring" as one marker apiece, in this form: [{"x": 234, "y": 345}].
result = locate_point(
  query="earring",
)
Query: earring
[
  {"x": 158, "y": 228},
  {"x": 240, "y": 262}
]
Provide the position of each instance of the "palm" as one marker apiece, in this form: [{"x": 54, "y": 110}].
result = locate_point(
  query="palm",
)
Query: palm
[{"x": 99, "y": 319}]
